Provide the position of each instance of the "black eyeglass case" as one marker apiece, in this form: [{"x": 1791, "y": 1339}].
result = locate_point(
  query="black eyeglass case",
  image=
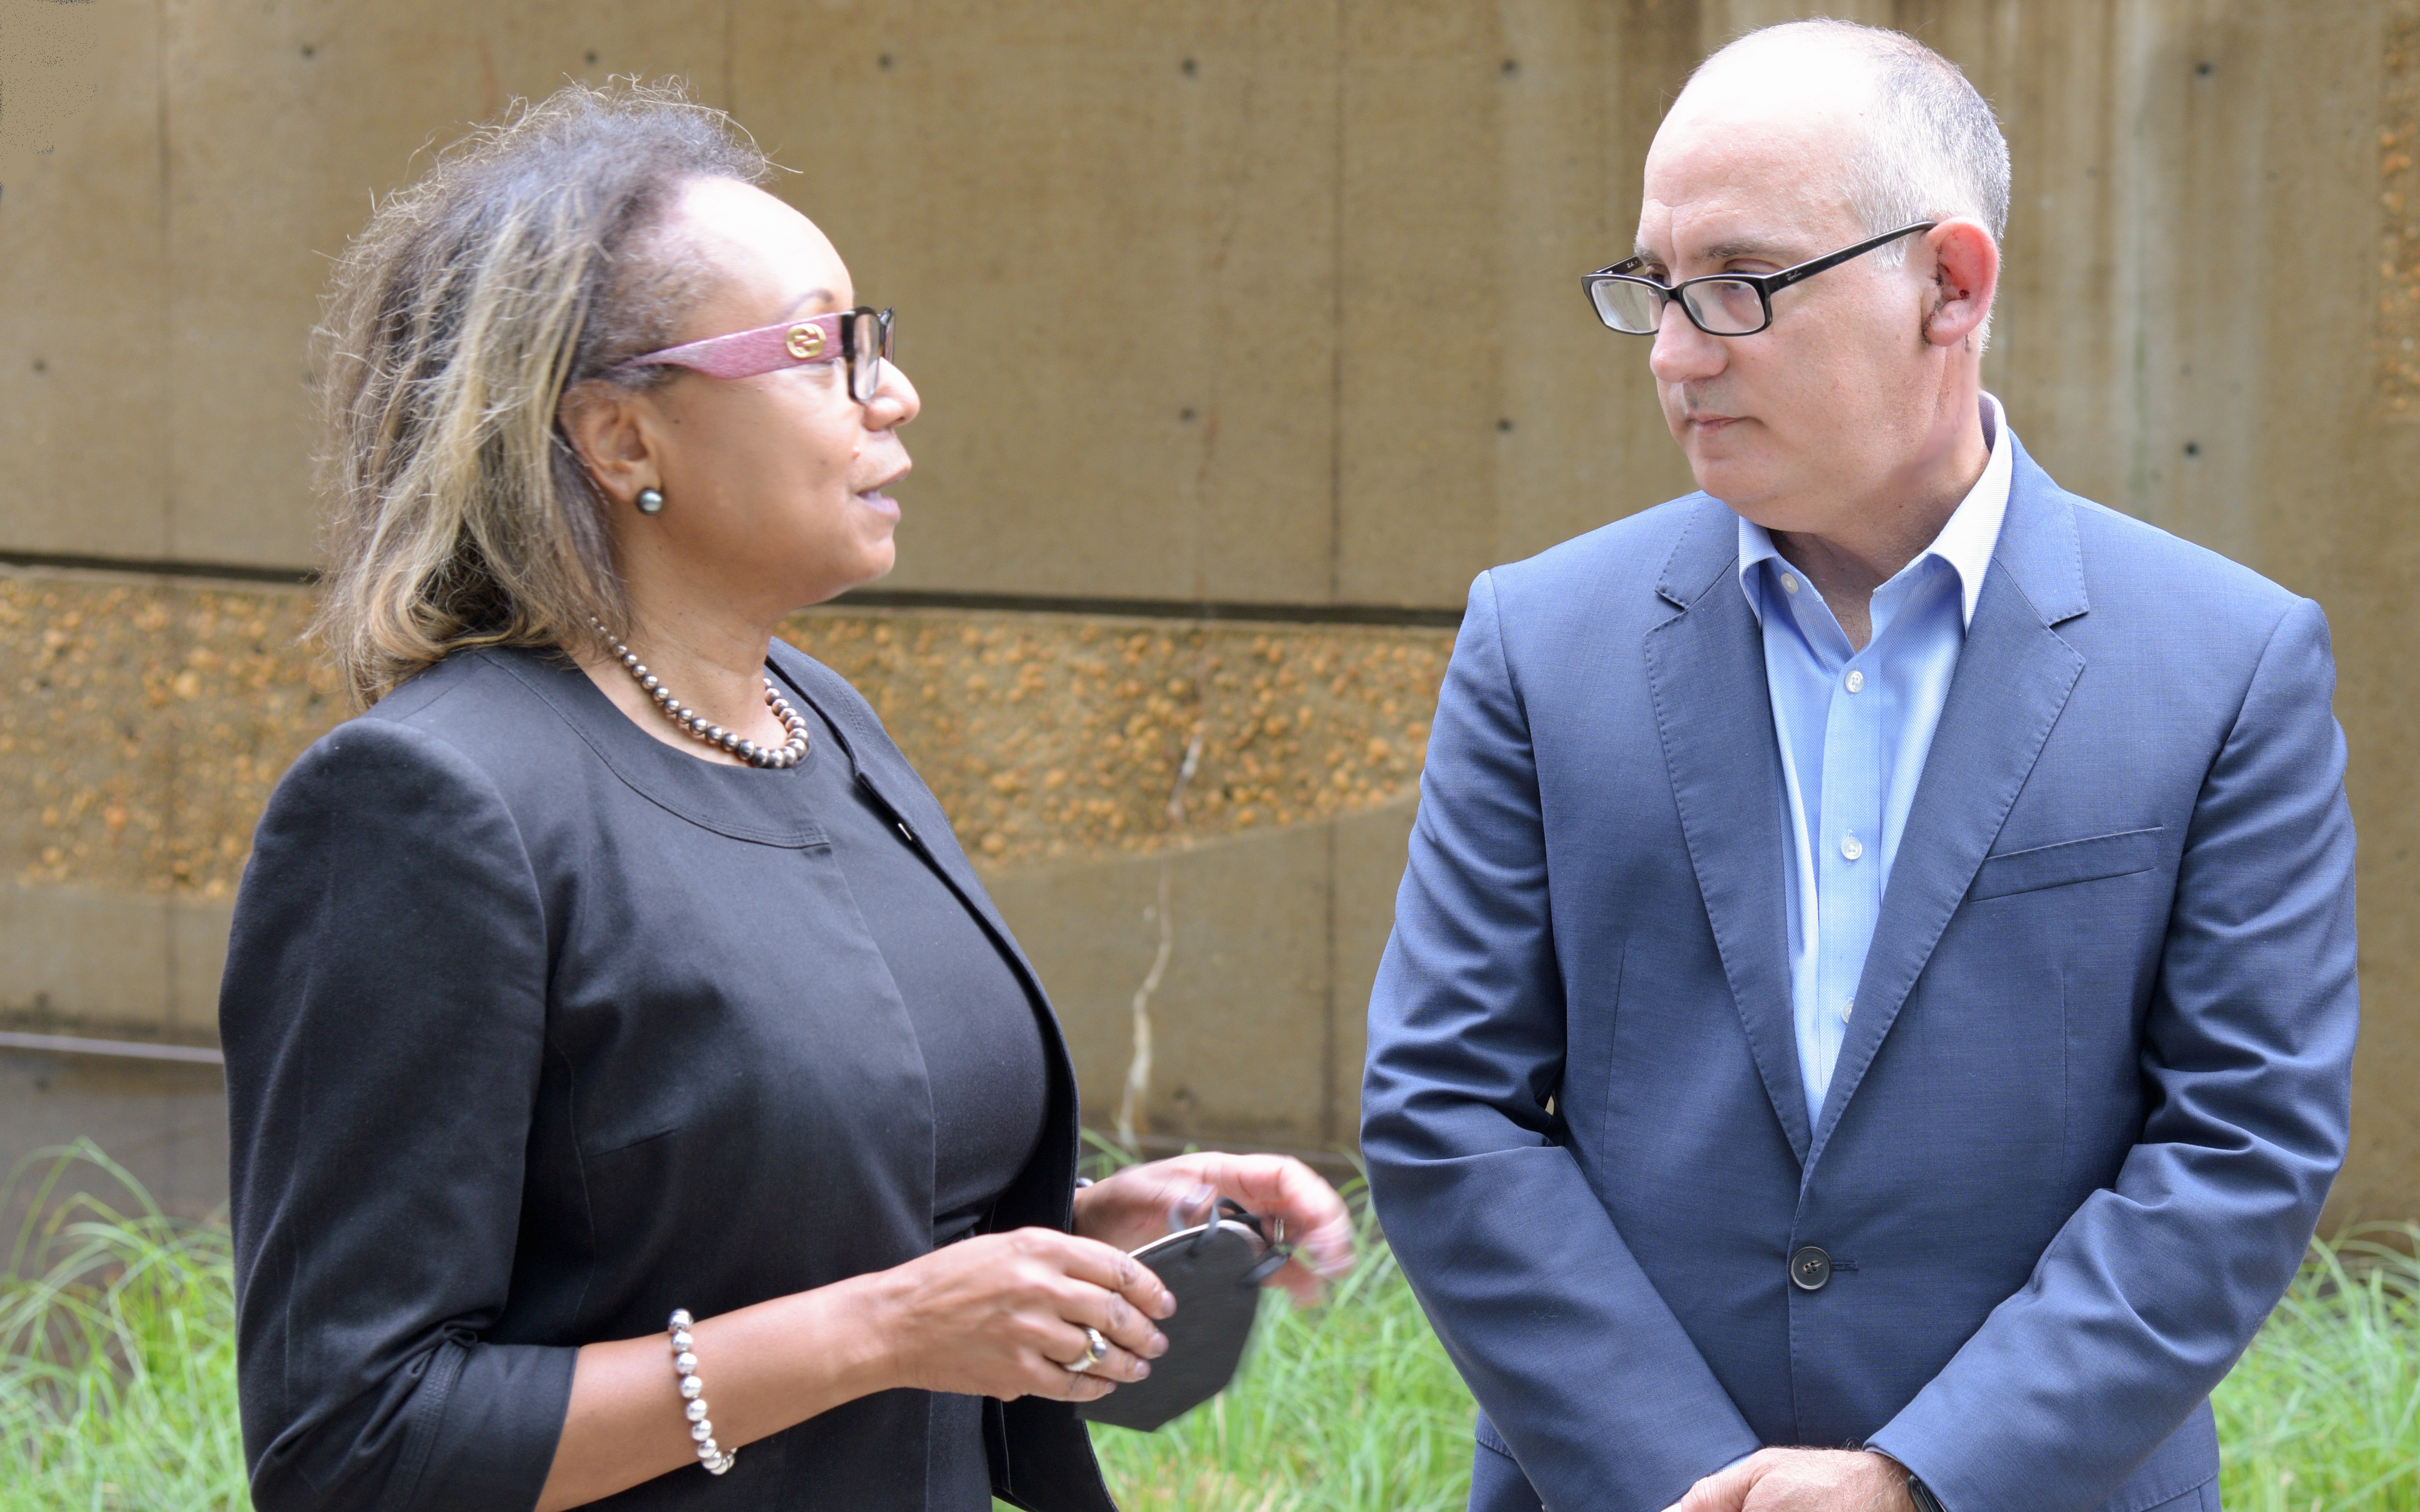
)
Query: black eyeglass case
[{"x": 1215, "y": 1272}]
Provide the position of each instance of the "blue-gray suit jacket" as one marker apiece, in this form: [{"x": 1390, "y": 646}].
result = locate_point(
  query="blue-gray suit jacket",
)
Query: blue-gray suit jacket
[{"x": 2094, "y": 1093}]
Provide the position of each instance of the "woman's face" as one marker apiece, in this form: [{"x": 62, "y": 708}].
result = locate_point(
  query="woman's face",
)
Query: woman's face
[{"x": 775, "y": 486}]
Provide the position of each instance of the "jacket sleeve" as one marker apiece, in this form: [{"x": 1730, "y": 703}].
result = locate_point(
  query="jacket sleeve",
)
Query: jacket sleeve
[
  {"x": 2153, "y": 1289},
  {"x": 384, "y": 1018},
  {"x": 1575, "y": 1358}
]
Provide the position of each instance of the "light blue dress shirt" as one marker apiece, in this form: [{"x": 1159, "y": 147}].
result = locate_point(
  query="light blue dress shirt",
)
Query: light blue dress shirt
[{"x": 1854, "y": 728}]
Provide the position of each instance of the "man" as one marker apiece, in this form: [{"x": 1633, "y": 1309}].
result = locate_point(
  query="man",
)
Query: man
[{"x": 1870, "y": 1017}]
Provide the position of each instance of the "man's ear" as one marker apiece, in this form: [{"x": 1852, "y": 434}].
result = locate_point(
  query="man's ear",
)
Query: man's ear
[
  {"x": 1965, "y": 275},
  {"x": 604, "y": 426}
]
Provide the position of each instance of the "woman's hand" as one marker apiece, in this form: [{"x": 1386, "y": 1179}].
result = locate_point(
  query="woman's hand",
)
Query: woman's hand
[
  {"x": 999, "y": 1315},
  {"x": 1131, "y": 1208},
  {"x": 1003, "y": 1315}
]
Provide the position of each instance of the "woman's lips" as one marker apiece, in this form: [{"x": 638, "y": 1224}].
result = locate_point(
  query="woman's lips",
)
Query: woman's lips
[{"x": 880, "y": 503}]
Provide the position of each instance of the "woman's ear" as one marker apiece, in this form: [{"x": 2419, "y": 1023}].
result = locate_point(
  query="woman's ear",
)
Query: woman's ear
[
  {"x": 604, "y": 424},
  {"x": 1965, "y": 275}
]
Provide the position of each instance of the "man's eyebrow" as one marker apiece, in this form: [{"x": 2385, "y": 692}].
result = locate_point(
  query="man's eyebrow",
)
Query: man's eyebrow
[
  {"x": 1725, "y": 251},
  {"x": 813, "y": 296},
  {"x": 1720, "y": 251}
]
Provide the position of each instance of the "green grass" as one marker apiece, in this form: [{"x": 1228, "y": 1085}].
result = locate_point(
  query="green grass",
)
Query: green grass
[
  {"x": 2323, "y": 1413},
  {"x": 118, "y": 1384},
  {"x": 117, "y": 1355}
]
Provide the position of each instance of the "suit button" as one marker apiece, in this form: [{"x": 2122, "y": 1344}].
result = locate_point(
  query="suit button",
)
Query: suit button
[{"x": 1810, "y": 1268}]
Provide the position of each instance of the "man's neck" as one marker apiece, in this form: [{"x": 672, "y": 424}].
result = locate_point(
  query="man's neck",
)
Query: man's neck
[{"x": 1884, "y": 532}]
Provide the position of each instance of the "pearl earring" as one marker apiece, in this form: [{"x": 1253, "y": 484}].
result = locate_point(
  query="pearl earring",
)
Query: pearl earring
[{"x": 651, "y": 502}]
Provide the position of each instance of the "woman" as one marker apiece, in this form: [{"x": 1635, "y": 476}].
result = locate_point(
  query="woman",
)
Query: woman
[{"x": 614, "y": 962}]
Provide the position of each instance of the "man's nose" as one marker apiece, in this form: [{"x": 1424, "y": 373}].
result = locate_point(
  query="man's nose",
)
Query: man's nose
[{"x": 1685, "y": 354}]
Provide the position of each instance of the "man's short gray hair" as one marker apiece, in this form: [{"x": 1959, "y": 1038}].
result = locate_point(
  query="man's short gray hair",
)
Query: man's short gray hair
[{"x": 1934, "y": 149}]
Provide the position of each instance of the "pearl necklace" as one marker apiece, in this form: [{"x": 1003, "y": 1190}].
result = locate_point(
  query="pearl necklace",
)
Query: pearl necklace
[{"x": 690, "y": 722}]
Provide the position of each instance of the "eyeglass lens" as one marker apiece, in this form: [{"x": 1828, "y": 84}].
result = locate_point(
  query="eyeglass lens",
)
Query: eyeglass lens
[
  {"x": 1722, "y": 307},
  {"x": 1626, "y": 306},
  {"x": 869, "y": 346}
]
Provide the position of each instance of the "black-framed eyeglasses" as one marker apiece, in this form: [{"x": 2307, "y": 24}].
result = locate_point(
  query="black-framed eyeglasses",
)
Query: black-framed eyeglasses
[
  {"x": 860, "y": 338},
  {"x": 1720, "y": 305}
]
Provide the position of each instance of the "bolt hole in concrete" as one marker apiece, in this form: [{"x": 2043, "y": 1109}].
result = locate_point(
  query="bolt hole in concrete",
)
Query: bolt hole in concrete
[
  {"x": 2193, "y": 448},
  {"x": 1190, "y": 67},
  {"x": 163, "y": 1120}
]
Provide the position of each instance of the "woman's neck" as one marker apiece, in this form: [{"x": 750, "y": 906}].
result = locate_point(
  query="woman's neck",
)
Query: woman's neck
[{"x": 713, "y": 664}]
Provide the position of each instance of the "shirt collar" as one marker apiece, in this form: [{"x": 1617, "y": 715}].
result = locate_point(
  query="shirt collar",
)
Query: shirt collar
[{"x": 1965, "y": 543}]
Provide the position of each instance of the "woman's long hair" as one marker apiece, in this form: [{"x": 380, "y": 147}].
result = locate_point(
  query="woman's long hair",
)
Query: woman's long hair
[{"x": 524, "y": 262}]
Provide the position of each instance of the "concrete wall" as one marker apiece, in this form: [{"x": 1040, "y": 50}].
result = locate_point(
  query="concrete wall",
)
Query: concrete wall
[{"x": 1270, "y": 303}]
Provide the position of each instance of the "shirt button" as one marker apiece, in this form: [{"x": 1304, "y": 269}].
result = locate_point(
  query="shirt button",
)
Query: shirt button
[
  {"x": 1845, "y": 1009},
  {"x": 1851, "y": 847},
  {"x": 1789, "y": 582},
  {"x": 1856, "y": 680}
]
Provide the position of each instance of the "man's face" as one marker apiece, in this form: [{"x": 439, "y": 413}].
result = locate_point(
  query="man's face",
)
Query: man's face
[{"x": 1814, "y": 415}]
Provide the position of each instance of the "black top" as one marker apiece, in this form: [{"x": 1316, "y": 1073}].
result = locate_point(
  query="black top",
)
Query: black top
[
  {"x": 974, "y": 1024},
  {"x": 973, "y": 1019},
  {"x": 537, "y": 1027}
]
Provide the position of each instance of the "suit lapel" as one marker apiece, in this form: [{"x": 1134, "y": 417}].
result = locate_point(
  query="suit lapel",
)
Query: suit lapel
[
  {"x": 1714, "y": 716},
  {"x": 2013, "y": 677}
]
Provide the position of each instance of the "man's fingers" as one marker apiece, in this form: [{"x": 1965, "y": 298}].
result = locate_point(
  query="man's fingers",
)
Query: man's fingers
[{"x": 1725, "y": 1490}]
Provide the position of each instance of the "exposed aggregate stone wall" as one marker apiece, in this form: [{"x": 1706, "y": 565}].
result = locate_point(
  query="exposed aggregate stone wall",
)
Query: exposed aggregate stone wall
[
  {"x": 1048, "y": 737},
  {"x": 150, "y": 720},
  {"x": 2398, "y": 199}
]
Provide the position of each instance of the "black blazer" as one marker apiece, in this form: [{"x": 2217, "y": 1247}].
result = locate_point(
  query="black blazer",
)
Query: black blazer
[{"x": 538, "y": 1029}]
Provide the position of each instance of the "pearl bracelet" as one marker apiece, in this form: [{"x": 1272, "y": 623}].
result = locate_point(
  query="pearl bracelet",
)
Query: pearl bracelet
[{"x": 711, "y": 1455}]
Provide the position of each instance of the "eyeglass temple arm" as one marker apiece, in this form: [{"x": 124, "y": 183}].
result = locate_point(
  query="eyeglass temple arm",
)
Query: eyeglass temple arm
[
  {"x": 1832, "y": 259},
  {"x": 737, "y": 353}
]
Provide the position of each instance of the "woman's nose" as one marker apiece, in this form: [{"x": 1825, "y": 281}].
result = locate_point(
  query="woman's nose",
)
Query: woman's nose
[
  {"x": 894, "y": 402},
  {"x": 1682, "y": 353}
]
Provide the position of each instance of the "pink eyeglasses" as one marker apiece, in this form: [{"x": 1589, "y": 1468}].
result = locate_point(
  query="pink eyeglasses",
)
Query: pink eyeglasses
[{"x": 859, "y": 338}]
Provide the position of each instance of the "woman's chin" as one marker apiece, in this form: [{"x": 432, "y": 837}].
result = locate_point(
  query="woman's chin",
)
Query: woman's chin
[{"x": 879, "y": 558}]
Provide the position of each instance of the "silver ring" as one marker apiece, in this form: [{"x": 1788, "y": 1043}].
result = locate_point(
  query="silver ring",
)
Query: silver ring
[{"x": 1095, "y": 1352}]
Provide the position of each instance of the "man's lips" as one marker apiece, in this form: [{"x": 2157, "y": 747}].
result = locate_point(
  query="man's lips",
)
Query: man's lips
[{"x": 1707, "y": 424}]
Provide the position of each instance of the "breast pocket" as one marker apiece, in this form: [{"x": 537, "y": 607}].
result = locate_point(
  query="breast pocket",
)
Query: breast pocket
[{"x": 2090, "y": 859}]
